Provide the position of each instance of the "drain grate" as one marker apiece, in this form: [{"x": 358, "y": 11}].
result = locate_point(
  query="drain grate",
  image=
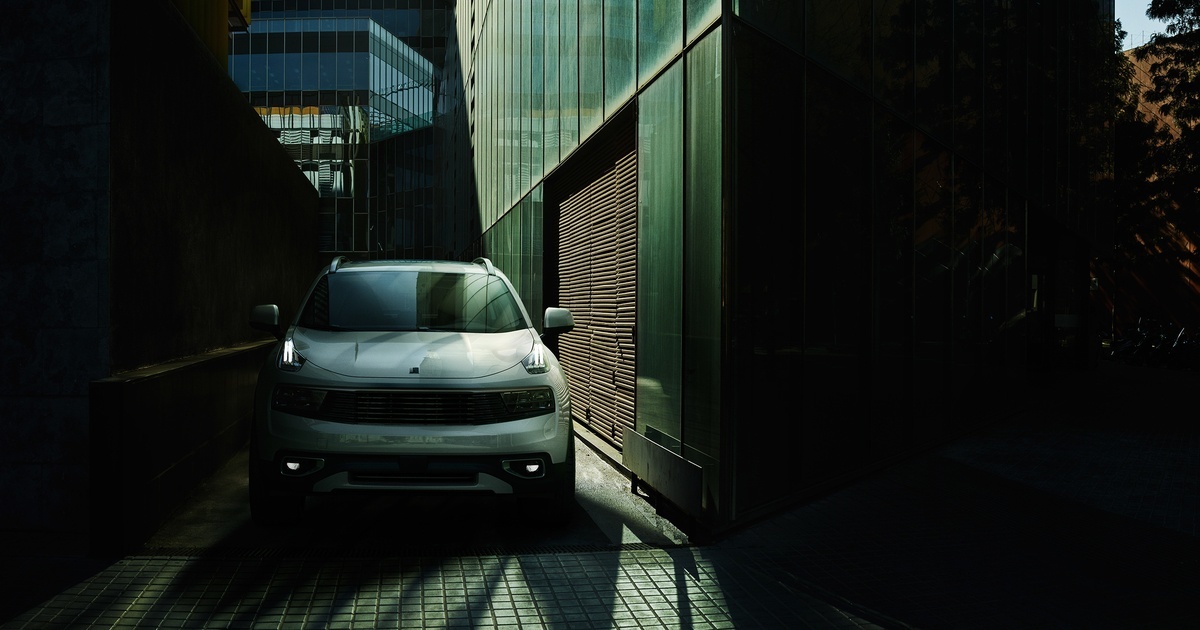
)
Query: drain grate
[{"x": 390, "y": 551}]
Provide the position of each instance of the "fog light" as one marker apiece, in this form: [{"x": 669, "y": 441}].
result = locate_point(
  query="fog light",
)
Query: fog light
[
  {"x": 300, "y": 466},
  {"x": 527, "y": 468}
]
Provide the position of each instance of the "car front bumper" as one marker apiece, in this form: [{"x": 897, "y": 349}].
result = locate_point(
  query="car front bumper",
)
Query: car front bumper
[
  {"x": 298, "y": 455},
  {"x": 526, "y": 474}
]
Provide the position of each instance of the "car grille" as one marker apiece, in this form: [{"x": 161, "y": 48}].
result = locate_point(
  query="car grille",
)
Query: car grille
[{"x": 416, "y": 407}]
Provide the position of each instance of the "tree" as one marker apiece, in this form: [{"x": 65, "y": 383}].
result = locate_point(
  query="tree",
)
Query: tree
[
  {"x": 1157, "y": 176},
  {"x": 1174, "y": 68}
]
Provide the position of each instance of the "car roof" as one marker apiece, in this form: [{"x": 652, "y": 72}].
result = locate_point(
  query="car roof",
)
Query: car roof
[{"x": 342, "y": 264}]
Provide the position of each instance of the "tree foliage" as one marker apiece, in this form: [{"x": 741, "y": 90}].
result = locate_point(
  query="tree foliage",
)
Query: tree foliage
[
  {"x": 1174, "y": 65},
  {"x": 1175, "y": 56},
  {"x": 1156, "y": 190}
]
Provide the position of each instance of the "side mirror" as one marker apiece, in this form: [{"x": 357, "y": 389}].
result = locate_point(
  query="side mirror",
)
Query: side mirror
[
  {"x": 266, "y": 317},
  {"x": 557, "y": 321}
]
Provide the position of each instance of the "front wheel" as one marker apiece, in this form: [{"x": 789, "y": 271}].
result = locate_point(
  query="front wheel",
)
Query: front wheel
[
  {"x": 271, "y": 509},
  {"x": 552, "y": 511},
  {"x": 558, "y": 509}
]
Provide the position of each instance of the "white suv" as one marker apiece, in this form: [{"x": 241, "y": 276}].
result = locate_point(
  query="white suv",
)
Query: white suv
[{"x": 411, "y": 376}]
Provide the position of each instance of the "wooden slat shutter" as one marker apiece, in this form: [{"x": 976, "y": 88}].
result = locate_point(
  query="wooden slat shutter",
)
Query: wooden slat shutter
[{"x": 598, "y": 282}]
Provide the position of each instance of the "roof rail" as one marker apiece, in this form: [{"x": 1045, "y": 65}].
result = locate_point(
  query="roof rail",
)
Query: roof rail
[
  {"x": 487, "y": 264},
  {"x": 337, "y": 262}
]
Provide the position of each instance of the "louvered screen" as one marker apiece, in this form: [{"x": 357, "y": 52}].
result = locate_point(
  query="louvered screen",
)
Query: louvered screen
[{"x": 598, "y": 282}]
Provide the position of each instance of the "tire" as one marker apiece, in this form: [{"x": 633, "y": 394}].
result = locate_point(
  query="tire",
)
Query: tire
[
  {"x": 267, "y": 508},
  {"x": 549, "y": 512},
  {"x": 558, "y": 509},
  {"x": 552, "y": 506}
]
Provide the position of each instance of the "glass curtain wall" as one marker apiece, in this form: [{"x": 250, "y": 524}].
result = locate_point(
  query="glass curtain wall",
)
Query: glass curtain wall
[
  {"x": 924, "y": 134},
  {"x": 874, "y": 263},
  {"x": 547, "y": 75},
  {"x": 515, "y": 245},
  {"x": 351, "y": 94},
  {"x": 594, "y": 55}
]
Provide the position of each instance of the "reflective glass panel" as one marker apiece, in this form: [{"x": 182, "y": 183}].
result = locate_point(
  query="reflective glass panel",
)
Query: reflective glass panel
[
  {"x": 932, "y": 262},
  {"x": 537, "y": 92},
  {"x": 703, "y": 256},
  {"x": 767, "y": 267},
  {"x": 1000, "y": 280},
  {"x": 620, "y": 46},
  {"x": 523, "y": 123},
  {"x": 550, "y": 70},
  {"x": 783, "y": 21},
  {"x": 700, "y": 14},
  {"x": 933, "y": 67},
  {"x": 968, "y": 78},
  {"x": 891, "y": 280},
  {"x": 969, "y": 226},
  {"x": 893, "y": 54},
  {"x": 660, "y": 257},
  {"x": 591, "y": 66},
  {"x": 660, "y": 35},
  {"x": 839, "y": 38},
  {"x": 837, "y": 201},
  {"x": 568, "y": 28}
]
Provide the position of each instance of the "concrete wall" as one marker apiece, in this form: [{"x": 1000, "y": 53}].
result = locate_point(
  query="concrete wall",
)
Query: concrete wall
[
  {"x": 54, "y": 159},
  {"x": 209, "y": 216},
  {"x": 145, "y": 210},
  {"x": 157, "y": 431}
]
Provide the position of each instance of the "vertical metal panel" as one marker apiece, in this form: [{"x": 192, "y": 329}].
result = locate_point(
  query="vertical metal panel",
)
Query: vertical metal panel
[{"x": 598, "y": 282}]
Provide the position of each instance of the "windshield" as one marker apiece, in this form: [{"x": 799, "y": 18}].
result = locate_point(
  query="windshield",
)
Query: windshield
[{"x": 411, "y": 300}]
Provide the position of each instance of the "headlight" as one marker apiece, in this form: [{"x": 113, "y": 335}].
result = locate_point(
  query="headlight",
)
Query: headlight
[
  {"x": 535, "y": 361},
  {"x": 541, "y": 399},
  {"x": 289, "y": 359},
  {"x": 298, "y": 400}
]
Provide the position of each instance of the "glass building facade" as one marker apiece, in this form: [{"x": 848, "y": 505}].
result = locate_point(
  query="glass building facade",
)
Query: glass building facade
[
  {"x": 801, "y": 238},
  {"x": 351, "y": 90}
]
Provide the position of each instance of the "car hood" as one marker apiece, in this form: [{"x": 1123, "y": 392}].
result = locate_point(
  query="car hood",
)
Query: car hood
[{"x": 412, "y": 354}]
